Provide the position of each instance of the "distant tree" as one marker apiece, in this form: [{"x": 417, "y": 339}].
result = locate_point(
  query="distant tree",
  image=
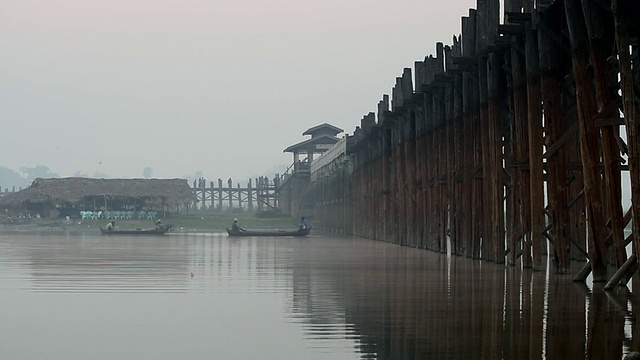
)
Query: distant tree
[
  {"x": 10, "y": 178},
  {"x": 147, "y": 172},
  {"x": 39, "y": 171}
]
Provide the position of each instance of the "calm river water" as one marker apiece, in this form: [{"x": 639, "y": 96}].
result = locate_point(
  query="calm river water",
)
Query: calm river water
[{"x": 94, "y": 297}]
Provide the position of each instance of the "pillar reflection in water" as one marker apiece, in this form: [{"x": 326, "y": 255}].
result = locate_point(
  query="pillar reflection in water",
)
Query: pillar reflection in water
[{"x": 409, "y": 304}]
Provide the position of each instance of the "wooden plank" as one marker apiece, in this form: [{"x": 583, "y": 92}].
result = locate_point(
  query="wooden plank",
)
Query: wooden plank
[
  {"x": 609, "y": 121},
  {"x": 622, "y": 273},
  {"x": 562, "y": 140}
]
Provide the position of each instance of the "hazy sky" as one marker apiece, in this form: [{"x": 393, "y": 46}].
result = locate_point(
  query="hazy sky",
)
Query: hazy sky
[{"x": 187, "y": 85}]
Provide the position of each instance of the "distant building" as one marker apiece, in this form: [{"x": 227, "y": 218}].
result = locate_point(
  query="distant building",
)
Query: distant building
[
  {"x": 292, "y": 191},
  {"x": 69, "y": 196},
  {"x": 322, "y": 138}
]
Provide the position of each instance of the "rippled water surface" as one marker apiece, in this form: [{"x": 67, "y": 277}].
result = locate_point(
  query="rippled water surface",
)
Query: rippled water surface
[{"x": 94, "y": 297}]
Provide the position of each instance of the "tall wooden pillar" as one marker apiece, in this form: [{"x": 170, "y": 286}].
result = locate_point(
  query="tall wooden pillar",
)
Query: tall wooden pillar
[
  {"x": 588, "y": 139},
  {"x": 550, "y": 84},
  {"x": 535, "y": 145},
  {"x": 631, "y": 108},
  {"x": 599, "y": 43}
]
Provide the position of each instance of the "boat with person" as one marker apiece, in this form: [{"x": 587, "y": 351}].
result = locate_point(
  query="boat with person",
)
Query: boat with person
[
  {"x": 269, "y": 232},
  {"x": 161, "y": 230}
]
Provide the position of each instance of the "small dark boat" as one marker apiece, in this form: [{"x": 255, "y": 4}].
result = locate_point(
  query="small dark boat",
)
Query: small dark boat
[
  {"x": 155, "y": 231},
  {"x": 248, "y": 232}
]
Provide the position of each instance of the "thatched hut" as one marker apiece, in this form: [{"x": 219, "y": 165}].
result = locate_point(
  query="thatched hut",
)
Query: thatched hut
[{"x": 69, "y": 196}]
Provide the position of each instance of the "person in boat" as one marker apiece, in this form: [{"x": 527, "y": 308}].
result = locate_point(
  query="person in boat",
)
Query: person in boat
[
  {"x": 158, "y": 224},
  {"x": 111, "y": 225},
  {"x": 235, "y": 226},
  {"x": 303, "y": 223}
]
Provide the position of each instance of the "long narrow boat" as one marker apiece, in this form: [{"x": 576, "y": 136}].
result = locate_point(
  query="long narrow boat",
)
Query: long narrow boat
[
  {"x": 154, "y": 231},
  {"x": 248, "y": 232}
]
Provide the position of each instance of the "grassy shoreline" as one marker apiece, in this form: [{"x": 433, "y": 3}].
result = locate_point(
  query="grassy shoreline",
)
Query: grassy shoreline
[{"x": 188, "y": 223}]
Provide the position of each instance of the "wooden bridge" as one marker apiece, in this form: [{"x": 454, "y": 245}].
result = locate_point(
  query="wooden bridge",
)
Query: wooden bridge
[
  {"x": 261, "y": 196},
  {"x": 517, "y": 134}
]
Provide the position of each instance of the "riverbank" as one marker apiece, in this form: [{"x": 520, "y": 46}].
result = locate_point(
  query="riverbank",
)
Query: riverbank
[{"x": 189, "y": 223}]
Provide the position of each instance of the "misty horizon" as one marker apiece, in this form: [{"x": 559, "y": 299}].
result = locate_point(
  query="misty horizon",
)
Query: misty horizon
[
  {"x": 10, "y": 179},
  {"x": 185, "y": 86}
]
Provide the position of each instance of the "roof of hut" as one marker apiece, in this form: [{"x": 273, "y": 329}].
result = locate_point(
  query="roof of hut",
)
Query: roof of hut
[
  {"x": 72, "y": 190},
  {"x": 311, "y": 144},
  {"x": 323, "y": 129}
]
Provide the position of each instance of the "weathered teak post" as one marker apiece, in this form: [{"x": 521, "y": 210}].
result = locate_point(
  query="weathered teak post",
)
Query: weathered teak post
[
  {"x": 357, "y": 179},
  {"x": 219, "y": 194},
  {"x": 550, "y": 85},
  {"x": 365, "y": 197},
  {"x": 372, "y": 187},
  {"x": 230, "y": 193},
  {"x": 439, "y": 165},
  {"x": 239, "y": 194},
  {"x": 399, "y": 164},
  {"x": 408, "y": 132},
  {"x": 386, "y": 143},
  {"x": 631, "y": 110},
  {"x": 476, "y": 140},
  {"x": 488, "y": 240},
  {"x": 598, "y": 44},
  {"x": 535, "y": 145},
  {"x": 364, "y": 178},
  {"x": 260, "y": 193},
  {"x": 470, "y": 234},
  {"x": 428, "y": 168},
  {"x": 442, "y": 212},
  {"x": 448, "y": 147},
  {"x": 377, "y": 174},
  {"x": 420, "y": 133},
  {"x": 518, "y": 205},
  {"x": 249, "y": 195},
  {"x": 495, "y": 93},
  {"x": 274, "y": 191},
  {"x": 455, "y": 171},
  {"x": 588, "y": 139},
  {"x": 373, "y": 173},
  {"x": 364, "y": 200},
  {"x": 575, "y": 187},
  {"x": 389, "y": 119}
]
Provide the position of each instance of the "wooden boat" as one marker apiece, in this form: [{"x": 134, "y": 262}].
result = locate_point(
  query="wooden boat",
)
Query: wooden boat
[
  {"x": 154, "y": 231},
  {"x": 290, "y": 232}
]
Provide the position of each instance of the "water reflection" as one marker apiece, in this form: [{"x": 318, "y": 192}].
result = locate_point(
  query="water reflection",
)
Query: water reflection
[{"x": 314, "y": 298}]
